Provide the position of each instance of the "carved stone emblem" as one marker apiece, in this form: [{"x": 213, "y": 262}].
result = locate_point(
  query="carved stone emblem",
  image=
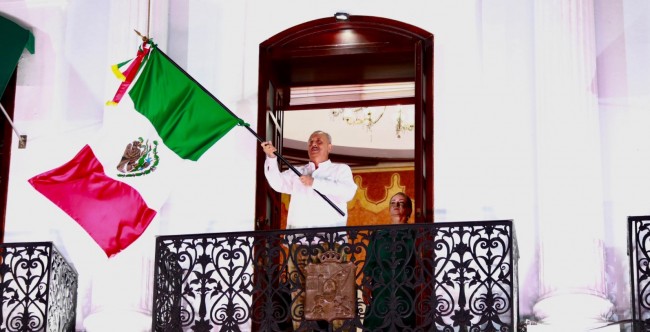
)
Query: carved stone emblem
[{"x": 330, "y": 289}]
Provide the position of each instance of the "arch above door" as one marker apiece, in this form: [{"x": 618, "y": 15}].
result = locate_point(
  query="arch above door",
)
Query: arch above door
[{"x": 331, "y": 63}]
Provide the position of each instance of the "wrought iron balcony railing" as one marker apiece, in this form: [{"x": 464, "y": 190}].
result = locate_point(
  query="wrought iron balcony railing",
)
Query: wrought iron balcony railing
[
  {"x": 417, "y": 277},
  {"x": 39, "y": 288},
  {"x": 638, "y": 248}
]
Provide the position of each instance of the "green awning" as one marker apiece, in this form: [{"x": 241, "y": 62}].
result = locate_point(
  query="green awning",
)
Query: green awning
[{"x": 13, "y": 39}]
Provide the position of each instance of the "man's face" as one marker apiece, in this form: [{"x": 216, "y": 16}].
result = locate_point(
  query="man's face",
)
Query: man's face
[
  {"x": 399, "y": 210},
  {"x": 318, "y": 148}
]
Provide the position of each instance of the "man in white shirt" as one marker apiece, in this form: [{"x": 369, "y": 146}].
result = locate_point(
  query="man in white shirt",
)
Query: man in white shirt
[{"x": 307, "y": 208}]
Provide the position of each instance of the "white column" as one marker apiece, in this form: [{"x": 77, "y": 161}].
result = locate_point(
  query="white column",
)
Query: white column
[
  {"x": 569, "y": 176},
  {"x": 122, "y": 291}
]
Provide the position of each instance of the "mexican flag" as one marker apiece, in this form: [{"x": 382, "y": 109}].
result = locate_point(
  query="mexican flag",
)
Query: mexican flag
[{"x": 115, "y": 184}]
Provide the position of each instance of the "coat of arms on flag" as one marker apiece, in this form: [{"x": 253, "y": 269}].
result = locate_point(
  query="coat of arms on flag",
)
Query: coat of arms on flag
[{"x": 140, "y": 158}]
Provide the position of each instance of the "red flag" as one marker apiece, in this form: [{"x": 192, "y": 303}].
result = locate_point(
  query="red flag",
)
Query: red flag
[{"x": 82, "y": 189}]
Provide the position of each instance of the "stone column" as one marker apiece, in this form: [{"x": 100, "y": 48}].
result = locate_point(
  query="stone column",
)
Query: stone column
[
  {"x": 122, "y": 291},
  {"x": 572, "y": 289}
]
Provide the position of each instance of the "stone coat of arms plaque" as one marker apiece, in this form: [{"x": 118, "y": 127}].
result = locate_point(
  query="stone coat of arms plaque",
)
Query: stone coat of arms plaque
[{"x": 330, "y": 289}]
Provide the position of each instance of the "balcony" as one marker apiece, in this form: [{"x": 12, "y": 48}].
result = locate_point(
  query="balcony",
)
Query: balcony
[
  {"x": 431, "y": 277},
  {"x": 639, "y": 253},
  {"x": 39, "y": 288}
]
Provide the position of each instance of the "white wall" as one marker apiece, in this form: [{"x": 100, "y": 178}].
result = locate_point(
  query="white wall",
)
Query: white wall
[
  {"x": 623, "y": 45},
  {"x": 484, "y": 103}
]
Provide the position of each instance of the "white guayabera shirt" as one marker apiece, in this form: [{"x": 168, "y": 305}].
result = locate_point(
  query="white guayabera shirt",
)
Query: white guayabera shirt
[{"x": 307, "y": 208}]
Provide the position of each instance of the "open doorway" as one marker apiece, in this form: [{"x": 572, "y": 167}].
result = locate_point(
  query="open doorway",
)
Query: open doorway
[{"x": 346, "y": 65}]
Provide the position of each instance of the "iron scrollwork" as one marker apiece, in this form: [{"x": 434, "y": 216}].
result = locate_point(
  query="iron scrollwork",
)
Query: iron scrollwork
[
  {"x": 639, "y": 252},
  {"x": 39, "y": 289},
  {"x": 474, "y": 273},
  {"x": 441, "y": 277}
]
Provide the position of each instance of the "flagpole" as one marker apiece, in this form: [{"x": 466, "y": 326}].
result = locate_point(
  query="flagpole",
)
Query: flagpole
[{"x": 245, "y": 125}]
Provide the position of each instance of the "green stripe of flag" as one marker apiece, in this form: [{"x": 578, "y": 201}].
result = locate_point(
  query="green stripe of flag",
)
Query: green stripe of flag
[
  {"x": 188, "y": 119},
  {"x": 13, "y": 39}
]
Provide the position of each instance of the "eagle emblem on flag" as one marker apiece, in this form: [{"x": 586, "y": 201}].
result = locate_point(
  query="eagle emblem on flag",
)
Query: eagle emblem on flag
[{"x": 140, "y": 158}]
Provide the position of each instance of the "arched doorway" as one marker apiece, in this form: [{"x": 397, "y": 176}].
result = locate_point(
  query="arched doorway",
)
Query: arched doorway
[{"x": 359, "y": 52}]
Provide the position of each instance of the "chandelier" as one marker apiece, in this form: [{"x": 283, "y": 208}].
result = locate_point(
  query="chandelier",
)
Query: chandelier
[
  {"x": 402, "y": 124},
  {"x": 361, "y": 116},
  {"x": 369, "y": 116}
]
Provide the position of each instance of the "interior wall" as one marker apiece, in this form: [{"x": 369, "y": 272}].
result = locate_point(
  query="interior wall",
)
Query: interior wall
[
  {"x": 370, "y": 204},
  {"x": 484, "y": 132}
]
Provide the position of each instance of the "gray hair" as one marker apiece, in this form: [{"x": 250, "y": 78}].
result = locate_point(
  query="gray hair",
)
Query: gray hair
[{"x": 329, "y": 138}]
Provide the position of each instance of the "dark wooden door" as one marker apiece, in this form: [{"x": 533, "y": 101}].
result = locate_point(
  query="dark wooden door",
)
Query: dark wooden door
[
  {"x": 6, "y": 132},
  {"x": 270, "y": 120},
  {"x": 423, "y": 163}
]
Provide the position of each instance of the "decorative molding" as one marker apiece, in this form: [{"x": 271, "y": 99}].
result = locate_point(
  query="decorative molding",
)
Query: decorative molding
[{"x": 376, "y": 205}]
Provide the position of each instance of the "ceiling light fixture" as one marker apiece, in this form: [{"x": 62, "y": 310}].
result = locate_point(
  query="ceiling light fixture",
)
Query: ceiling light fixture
[
  {"x": 369, "y": 116},
  {"x": 340, "y": 16},
  {"x": 402, "y": 123}
]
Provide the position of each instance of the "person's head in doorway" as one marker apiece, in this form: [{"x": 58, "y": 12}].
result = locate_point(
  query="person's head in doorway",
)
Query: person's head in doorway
[
  {"x": 400, "y": 209},
  {"x": 319, "y": 146}
]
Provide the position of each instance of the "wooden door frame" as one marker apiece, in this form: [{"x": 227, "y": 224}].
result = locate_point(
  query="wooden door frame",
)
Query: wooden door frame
[
  {"x": 7, "y": 99},
  {"x": 360, "y": 50}
]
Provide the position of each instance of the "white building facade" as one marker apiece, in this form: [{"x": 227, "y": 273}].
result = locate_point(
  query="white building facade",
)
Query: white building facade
[{"x": 541, "y": 116}]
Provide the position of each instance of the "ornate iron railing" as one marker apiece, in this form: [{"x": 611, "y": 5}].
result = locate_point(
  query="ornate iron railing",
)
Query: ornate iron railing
[
  {"x": 39, "y": 288},
  {"x": 417, "y": 277},
  {"x": 639, "y": 253}
]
